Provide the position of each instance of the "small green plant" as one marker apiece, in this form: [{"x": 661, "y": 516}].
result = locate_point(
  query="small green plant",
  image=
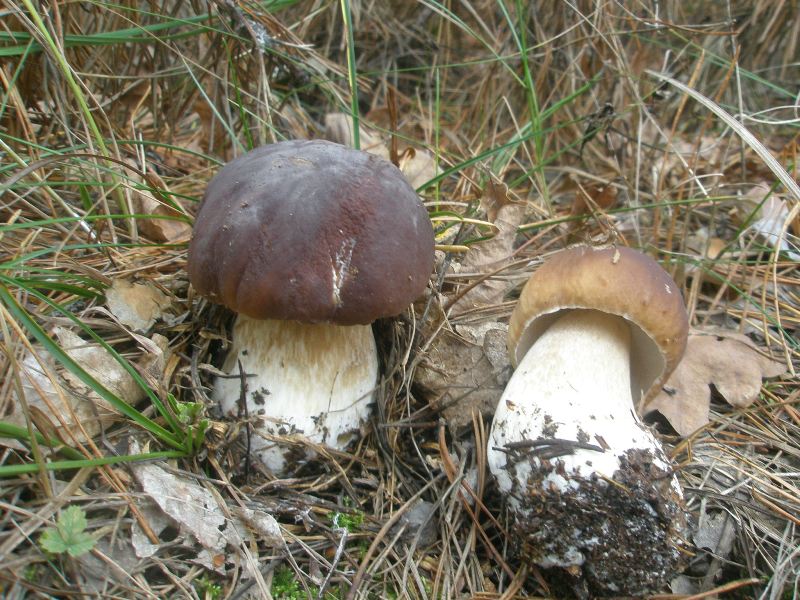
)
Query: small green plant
[
  {"x": 190, "y": 416},
  {"x": 69, "y": 535},
  {"x": 285, "y": 585},
  {"x": 32, "y": 572},
  {"x": 206, "y": 588},
  {"x": 349, "y": 521}
]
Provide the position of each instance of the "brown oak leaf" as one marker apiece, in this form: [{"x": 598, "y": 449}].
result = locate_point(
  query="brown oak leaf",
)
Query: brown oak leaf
[{"x": 729, "y": 362}]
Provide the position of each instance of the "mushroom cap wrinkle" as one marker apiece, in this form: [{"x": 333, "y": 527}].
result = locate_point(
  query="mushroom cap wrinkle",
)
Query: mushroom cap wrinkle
[
  {"x": 311, "y": 231},
  {"x": 617, "y": 281}
]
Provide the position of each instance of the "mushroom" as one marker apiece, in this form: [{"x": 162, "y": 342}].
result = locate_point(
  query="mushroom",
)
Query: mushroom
[
  {"x": 309, "y": 242},
  {"x": 595, "y": 333}
]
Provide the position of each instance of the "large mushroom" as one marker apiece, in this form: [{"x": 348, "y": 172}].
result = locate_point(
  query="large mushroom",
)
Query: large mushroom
[
  {"x": 309, "y": 242},
  {"x": 595, "y": 333}
]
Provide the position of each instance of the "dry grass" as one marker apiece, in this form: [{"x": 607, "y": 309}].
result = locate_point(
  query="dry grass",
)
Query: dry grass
[{"x": 151, "y": 114}]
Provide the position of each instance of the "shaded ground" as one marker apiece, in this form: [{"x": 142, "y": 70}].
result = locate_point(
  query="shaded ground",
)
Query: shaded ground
[{"x": 115, "y": 113}]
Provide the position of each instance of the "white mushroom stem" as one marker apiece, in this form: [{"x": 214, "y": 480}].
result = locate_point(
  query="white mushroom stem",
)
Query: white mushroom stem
[
  {"x": 571, "y": 395},
  {"x": 315, "y": 380}
]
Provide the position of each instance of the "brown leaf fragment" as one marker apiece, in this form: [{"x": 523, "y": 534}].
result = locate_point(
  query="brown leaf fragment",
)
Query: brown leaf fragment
[
  {"x": 597, "y": 196},
  {"x": 60, "y": 401},
  {"x": 136, "y": 305},
  {"x": 492, "y": 254},
  {"x": 145, "y": 202},
  {"x": 465, "y": 371},
  {"x": 339, "y": 129},
  {"x": 419, "y": 166},
  {"x": 729, "y": 362},
  {"x": 494, "y": 197},
  {"x": 159, "y": 229}
]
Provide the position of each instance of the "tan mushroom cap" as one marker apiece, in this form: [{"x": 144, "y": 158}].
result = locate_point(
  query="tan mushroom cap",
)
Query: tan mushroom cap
[{"x": 618, "y": 281}]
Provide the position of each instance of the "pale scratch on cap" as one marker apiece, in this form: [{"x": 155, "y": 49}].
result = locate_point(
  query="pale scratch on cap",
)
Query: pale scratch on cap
[{"x": 340, "y": 268}]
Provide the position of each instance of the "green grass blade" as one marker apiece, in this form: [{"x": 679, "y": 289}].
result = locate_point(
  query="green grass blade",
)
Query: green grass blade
[
  {"x": 55, "y": 350},
  {"x": 352, "y": 74},
  {"x": 15, "y": 432},
  {"x": 62, "y": 465}
]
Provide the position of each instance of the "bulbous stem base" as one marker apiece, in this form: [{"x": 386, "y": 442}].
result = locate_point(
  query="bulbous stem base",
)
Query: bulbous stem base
[{"x": 588, "y": 484}]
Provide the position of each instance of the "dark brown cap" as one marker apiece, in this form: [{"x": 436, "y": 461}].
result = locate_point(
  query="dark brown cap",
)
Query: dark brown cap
[
  {"x": 311, "y": 231},
  {"x": 618, "y": 281}
]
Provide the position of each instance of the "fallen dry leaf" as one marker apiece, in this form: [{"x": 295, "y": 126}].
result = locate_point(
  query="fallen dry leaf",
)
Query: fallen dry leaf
[
  {"x": 494, "y": 197},
  {"x": 190, "y": 505},
  {"x": 198, "y": 513},
  {"x": 771, "y": 221},
  {"x": 702, "y": 243},
  {"x": 339, "y": 129},
  {"x": 465, "y": 371},
  {"x": 714, "y": 529},
  {"x": 594, "y": 196},
  {"x": 492, "y": 254},
  {"x": 417, "y": 525},
  {"x": 715, "y": 532},
  {"x": 682, "y": 156},
  {"x": 158, "y": 522},
  {"x": 167, "y": 230},
  {"x": 64, "y": 400},
  {"x": 145, "y": 203},
  {"x": 419, "y": 166},
  {"x": 136, "y": 305},
  {"x": 590, "y": 206},
  {"x": 261, "y": 522},
  {"x": 728, "y": 361},
  {"x": 112, "y": 560}
]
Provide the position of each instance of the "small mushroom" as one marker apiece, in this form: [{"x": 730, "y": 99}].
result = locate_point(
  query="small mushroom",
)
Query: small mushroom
[
  {"x": 309, "y": 242},
  {"x": 595, "y": 333}
]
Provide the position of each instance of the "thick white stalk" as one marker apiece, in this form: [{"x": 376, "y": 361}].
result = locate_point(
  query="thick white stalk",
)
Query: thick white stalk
[
  {"x": 316, "y": 380},
  {"x": 574, "y": 384},
  {"x": 587, "y": 482}
]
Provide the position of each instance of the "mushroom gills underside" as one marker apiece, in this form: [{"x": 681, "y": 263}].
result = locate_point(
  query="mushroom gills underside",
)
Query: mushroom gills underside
[
  {"x": 312, "y": 380},
  {"x": 588, "y": 484}
]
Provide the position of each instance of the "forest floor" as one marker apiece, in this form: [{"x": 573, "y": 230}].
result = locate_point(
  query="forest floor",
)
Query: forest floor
[{"x": 668, "y": 127}]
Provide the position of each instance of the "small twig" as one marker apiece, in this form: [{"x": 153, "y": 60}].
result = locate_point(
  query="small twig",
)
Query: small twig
[
  {"x": 362, "y": 568},
  {"x": 243, "y": 409},
  {"x": 544, "y": 449},
  {"x": 733, "y": 585},
  {"x": 334, "y": 562}
]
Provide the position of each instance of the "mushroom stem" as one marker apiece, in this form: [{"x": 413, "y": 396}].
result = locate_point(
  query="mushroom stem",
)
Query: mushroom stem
[
  {"x": 580, "y": 471},
  {"x": 312, "y": 379},
  {"x": 574, "y": 384}
]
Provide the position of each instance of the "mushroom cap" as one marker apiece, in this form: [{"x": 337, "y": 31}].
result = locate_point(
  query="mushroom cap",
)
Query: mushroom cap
[
  {"x": 614, "y": 280},
  {"x": 311, "y": 231}
]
